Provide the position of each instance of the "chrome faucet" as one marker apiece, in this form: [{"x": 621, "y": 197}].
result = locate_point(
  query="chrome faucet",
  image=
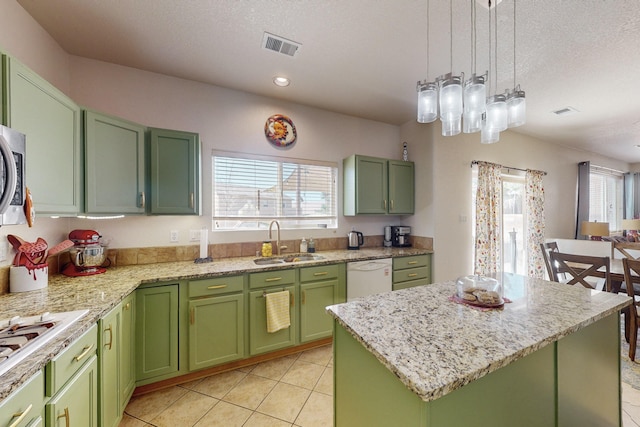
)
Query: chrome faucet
[{"x": 278, "y": 247}]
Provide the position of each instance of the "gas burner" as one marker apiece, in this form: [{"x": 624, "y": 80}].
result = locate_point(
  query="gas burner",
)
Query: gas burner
[{"x": 21, "y": 336}]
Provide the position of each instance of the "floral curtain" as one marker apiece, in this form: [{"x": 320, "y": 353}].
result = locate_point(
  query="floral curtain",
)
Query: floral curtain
[
  {"x": 488, "y": 213},
  {"x": 534, "y": 209}
]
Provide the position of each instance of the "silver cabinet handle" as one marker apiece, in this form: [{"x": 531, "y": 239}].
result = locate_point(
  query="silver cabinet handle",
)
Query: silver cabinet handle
[
  {"x": 143, "y": 200},
  {"x": 191, "y": 200}
]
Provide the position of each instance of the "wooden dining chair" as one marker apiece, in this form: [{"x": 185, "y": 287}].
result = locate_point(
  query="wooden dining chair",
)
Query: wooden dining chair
[
  {"x": 631, "y": 277},
  {"x": 546, "y": 248},
  {"x": 580, "y": 267}
]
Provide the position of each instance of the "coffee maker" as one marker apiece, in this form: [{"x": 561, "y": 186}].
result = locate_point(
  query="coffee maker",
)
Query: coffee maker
[{"x": 400, "y": 235}]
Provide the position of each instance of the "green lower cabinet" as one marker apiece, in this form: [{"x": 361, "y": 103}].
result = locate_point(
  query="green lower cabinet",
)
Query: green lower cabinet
[
  {"x": 156, "y": 331},
  {"x": 127, "y": 366},
  {"x": 76, "y": 404},
  {"x": 315, "y": 322},
  {"x": 261, "y": 341},
  {"x": 109, "y": 363},
  {"x": 216, "y": 330},
  {"x": 23, "y": 407},
  {"x": 410, "y": 271}
]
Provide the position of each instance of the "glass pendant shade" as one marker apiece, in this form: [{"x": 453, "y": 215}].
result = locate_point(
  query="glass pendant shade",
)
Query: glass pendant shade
[
  {"x": 427, "y": 102},
  {"x": 471, "y": 122},
  {"x": 475, "y": 95},
  {"x": 516, "y": 109},
  {"x": 488, "y": 135},
  {"x": 451, "y": 106},
  {"x": 496, "y": 113}
]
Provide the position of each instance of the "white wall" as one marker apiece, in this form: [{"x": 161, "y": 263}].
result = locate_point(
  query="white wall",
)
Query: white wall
[{"x": 449, "y": 192}]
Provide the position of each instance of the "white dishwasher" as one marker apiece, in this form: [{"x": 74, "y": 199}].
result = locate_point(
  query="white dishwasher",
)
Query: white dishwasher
[{"x": 368, "y": 277}]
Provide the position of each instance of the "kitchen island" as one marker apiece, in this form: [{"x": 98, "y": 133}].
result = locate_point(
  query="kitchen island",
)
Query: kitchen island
[{"x": 551, "y": 357}]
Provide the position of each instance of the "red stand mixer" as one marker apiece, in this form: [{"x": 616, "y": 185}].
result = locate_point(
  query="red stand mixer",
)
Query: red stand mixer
[{"x": 87, "y": 255}]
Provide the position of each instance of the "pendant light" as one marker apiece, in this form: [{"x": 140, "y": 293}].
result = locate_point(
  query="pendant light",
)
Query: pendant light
[
  {"x": 451, "y": 92},
  {"x": 516, "y": 102},
  {"x": 427, "y": 91},
  {"x": 475, "y": 92}
]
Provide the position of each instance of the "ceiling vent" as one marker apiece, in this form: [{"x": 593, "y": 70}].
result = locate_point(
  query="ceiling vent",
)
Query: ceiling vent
[
  {"x": 280, "y": 45},
  {"x": 565, "y": 111}
]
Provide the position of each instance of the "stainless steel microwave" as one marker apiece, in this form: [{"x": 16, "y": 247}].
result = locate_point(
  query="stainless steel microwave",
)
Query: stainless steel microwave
[{"x": 12, "y": 177}]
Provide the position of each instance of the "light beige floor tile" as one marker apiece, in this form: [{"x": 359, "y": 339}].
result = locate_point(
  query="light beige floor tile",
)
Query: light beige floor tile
[
  {"x": 191, "y": 384},
  {"x": 246, "y": 369},
  {"x": 129, "y": 421},
  {"x": 250, "y": 392},
  {"x": 284, "y": 402},
  {"x": 147, "y": 406},
  {"x": 261, "y": 420},
  {"x": 224, "y": 415},
  {"x": 303, "y": 374},
  {"x": 185, "y": 411},
  {"x": 633, "y": 409},
  {"x": 317, "y": 412},
  {"x": 220, "y": 384},
  {"x": 320, "y": 355},
  {"x": 274, "y": 369},
  {"x": 325, "y": 383}
]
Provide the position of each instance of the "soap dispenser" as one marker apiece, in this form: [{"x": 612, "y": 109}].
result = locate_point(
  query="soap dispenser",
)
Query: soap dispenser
[{"x": 303, "y": 245}]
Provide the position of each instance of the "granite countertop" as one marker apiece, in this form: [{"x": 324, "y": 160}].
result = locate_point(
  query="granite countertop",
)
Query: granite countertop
[
  {"x": 100, "y": 293},
  {"x": 435, "y": 346}
]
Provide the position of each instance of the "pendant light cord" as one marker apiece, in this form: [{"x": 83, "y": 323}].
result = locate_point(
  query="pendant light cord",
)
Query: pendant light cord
[
  {"x": 495, "y": 51},
  {"x": 474, "y": 38},
  {"x": 489, "y": 44},
  {"x": 514, "y": 44},
  {"x": 428, "y": 30},
  {"x": 451, "y": 34}
]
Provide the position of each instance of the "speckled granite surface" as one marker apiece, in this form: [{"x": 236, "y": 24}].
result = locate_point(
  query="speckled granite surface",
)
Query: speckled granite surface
[
  {"x": 435, "y": 346},
  {"x": 100, "y": 293}
]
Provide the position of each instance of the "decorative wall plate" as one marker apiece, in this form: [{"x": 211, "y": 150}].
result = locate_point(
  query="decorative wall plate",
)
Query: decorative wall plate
[{"x": 280, "y": 131}]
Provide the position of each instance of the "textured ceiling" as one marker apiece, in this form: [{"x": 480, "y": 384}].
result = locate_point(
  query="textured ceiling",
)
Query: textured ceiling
[{"x": 363, "y": 57}]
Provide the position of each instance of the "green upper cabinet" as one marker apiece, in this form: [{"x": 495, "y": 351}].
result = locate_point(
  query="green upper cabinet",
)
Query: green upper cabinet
[
  {"x": 378, "y": 186},
  {"x": 51, "y": 122},
  {"x": 114, "y": 165},
  {"x": 175, "y": 172},
  {"x": 401, "y": 187}
]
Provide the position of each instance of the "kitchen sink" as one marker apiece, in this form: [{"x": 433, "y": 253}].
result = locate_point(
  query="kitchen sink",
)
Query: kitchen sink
[{"x": 288, "y": 259}]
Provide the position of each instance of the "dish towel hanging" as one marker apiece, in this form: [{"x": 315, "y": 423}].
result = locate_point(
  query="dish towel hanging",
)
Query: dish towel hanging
[{"x": 277, "y": 311}]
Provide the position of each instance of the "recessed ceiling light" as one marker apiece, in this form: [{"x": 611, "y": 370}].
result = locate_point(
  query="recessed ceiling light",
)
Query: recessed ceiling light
[{"x": 281, "y": 81}]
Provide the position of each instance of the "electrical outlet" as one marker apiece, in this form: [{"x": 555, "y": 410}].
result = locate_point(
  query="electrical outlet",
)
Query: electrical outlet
[
  {"x": 173, "y": 236},
  {"x": 194, "y": 235}
]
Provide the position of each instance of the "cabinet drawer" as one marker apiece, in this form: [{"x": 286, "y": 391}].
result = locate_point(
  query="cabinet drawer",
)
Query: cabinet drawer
[
  {"x": 410, "y": 274},
  {"x": 400, "y": 263},
  {"x": 218, "y": 285},
  {"x": 272, "y": 278},
  {"x": 64, "y": 365},
  {"x": 25, "y": 403},
  {"x": 410, "y": 284},
  {"x": 321, "y": 272}
]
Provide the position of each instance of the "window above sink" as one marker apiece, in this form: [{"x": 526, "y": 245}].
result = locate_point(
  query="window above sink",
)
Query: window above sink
[{"x": 250, "y": 191}]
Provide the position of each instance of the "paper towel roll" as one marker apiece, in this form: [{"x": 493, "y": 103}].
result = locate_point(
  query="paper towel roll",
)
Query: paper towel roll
[{"x": 204, "y": 243}]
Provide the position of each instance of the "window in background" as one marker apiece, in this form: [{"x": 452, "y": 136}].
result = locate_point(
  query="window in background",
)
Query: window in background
[
  {"x": 250, "y": 191},
  {"x": 606, "y": 197}
]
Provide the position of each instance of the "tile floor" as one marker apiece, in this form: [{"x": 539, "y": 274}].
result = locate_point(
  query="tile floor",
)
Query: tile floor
[
  {"x": 291, "y": 391},
  {"x": 294, "y": 390}
]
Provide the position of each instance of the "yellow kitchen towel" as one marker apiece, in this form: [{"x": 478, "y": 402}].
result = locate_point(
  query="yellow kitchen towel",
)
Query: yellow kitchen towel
[{"x": 277, "y": 311}]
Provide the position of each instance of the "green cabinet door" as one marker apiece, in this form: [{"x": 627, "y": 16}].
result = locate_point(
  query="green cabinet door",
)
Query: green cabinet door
[
  {"x": 127, "y": 350},
  {"x": 315, "y": 322},
  {"x": 401, "y": 187},
  {"x": 108, "y": 362},
  {"x": 51, "y": 122},
  {"x": 156, "y": 331},
  {"x": 114, "y": 165},
  {"x": 261, "y": 341},
  {"x": 76, "y": 404},
  {"x": 216, "y": 330},
  {"x": 25, "y": 405},
  {"x": 175, "y": 172}
]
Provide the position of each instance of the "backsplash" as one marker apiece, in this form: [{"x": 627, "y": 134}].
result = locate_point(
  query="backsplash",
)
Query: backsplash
[{"x": 152, "y": 255}]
